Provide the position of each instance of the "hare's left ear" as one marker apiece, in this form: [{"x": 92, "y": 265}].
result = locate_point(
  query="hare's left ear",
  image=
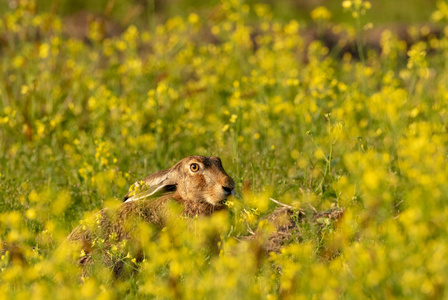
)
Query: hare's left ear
[{"x": 155, "y": 185}]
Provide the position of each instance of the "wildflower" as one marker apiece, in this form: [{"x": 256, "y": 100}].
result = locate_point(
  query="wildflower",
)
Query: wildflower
[
  {"x": 193, "y": 18},
  {"x": 44, "y": 50},
  {"x": 346, "y": 4},
  {"x": 321, "y": 13}
]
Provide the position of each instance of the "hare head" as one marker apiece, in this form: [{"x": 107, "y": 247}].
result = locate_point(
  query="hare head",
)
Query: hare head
[{"x": 194, "y": 178}]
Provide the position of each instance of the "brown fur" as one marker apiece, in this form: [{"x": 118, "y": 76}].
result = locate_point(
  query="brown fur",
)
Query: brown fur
[
  {"x": 198, "y": 193},
  {"x": 151, "y": 211}
]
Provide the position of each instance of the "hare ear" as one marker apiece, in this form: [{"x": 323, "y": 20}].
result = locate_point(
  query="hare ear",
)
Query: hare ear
[{"x": 155, "y": 185}]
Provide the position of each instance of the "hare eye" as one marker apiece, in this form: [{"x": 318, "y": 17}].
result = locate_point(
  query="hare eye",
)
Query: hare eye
[{"x": 194, "y": 167}]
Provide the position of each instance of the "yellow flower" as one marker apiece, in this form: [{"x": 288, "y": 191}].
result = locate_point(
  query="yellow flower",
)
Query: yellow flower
[
  {"x": 320, "y": 13},
  {"x": 44, "y": 49},
  {"x": 24, "y": 90},
  {"x": 193, "y": 18},
  {"x": 82, "y": 254},
  {"x": 346, "y": 4}
]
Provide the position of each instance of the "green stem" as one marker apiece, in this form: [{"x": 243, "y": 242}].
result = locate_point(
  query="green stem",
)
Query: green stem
[
  {"x": 413, "y": 82},
  {"x": 359, "y": 41}
]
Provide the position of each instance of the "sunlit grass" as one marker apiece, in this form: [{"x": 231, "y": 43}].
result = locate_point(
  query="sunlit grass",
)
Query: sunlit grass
[{"x": 80, "y": 121}]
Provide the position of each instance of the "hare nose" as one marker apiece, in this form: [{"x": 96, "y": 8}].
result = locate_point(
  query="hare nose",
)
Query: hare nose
[{"x": 227, "y": 189}]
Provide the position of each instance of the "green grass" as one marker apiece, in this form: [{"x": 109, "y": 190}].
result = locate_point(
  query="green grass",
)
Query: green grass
[{"x": 80, "y": 121}]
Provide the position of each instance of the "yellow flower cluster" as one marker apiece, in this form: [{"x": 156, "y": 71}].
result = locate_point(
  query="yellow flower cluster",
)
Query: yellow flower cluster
[
  {"x": 358, "y": 8},
  {"x": 296, "y": 123}
]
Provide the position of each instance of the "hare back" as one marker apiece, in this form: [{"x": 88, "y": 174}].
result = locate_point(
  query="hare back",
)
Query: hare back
[{"x": 153, "y": 211}]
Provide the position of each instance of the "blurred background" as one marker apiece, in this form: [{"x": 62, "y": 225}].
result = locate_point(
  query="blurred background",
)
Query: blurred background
[{"x": 139, "y": 12}]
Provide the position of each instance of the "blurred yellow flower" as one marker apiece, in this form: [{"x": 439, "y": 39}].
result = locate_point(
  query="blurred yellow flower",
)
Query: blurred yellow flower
[
  {"x": 44, "y": 50},
  {"x": 321, "y": 13}
]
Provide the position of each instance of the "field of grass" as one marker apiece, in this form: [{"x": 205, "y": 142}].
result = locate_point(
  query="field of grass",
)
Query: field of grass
[{"x": 319, "y": 130}]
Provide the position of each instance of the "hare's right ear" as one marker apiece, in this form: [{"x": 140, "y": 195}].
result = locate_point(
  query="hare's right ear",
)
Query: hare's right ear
[{"x": 153, "y": 186}]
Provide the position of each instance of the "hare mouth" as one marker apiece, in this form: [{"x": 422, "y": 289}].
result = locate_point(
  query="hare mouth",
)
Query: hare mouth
[
  {"x": 217, "y": 199},
  {"x": 216, "y": 203}
]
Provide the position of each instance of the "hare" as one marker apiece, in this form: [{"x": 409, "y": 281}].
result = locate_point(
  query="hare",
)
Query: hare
[{"x": 198, "y": 183}]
